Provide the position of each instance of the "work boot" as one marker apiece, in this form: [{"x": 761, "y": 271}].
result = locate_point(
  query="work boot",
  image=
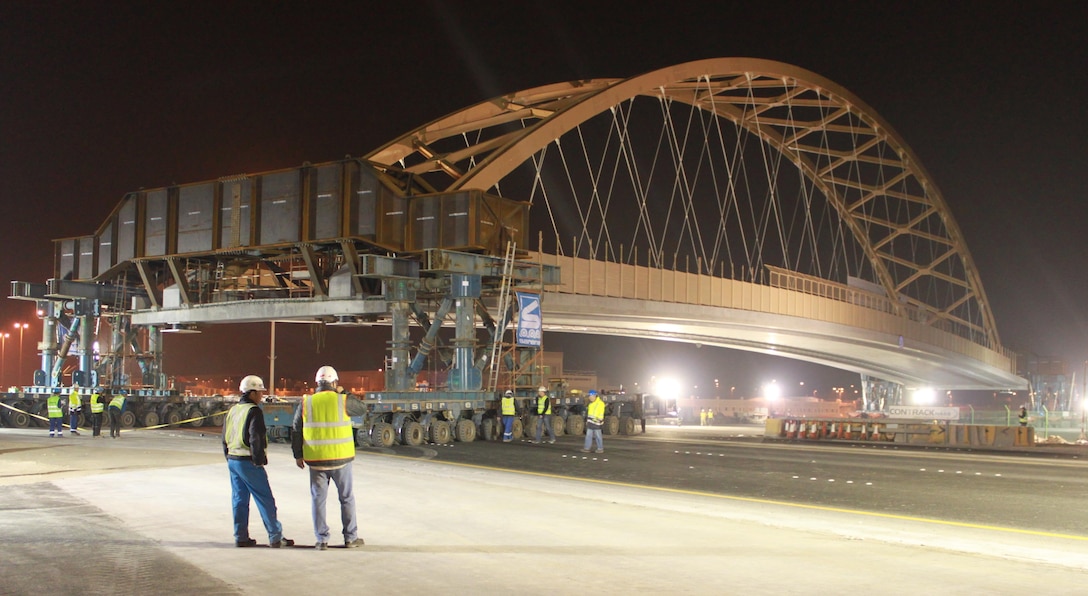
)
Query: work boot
[
  {"x": 282, "y": 543},
  {"x": 248, "y": 542},
  {"x": 354, "y": 543},
  {"x": 321, "y": 546},
  {"x": 585, "y": 451}
]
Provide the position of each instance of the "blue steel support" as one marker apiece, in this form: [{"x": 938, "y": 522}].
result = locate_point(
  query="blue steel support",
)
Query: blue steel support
[{"x": 466, "y": 291}]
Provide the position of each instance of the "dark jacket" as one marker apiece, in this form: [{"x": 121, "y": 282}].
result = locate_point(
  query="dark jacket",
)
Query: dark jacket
[{"x": 256, "y": 435}]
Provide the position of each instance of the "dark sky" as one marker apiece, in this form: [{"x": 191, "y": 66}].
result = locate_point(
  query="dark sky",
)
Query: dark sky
[{"x": 101, "y": 98}]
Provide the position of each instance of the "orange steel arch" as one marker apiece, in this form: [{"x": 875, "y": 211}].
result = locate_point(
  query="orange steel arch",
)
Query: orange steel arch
[{"x": 745, "y": 91}]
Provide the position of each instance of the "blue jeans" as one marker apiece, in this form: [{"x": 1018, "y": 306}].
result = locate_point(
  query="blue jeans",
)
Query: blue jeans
[
  {"x": 507, "y": 428},
  {"x": 248, "y": 479},
  {"x": 319, "y": 492},
  {"x": 545, "y": 421},
  {"x": 56, "y": 425},
  {"x": 594, "y": 434},
  {"x": 73, "y": 421}
]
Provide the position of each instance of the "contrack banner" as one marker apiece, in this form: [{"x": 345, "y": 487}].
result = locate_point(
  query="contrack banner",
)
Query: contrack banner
[{"x": 530, "y": 326}]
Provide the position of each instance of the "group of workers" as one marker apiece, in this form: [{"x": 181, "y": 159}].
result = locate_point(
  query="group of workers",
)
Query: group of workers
[
  {"x": 595, "y": 411},
  {"x": 706, "y": 417},
  {"x": 98, "y": 406},
  {"x": 322, "y": 439}
]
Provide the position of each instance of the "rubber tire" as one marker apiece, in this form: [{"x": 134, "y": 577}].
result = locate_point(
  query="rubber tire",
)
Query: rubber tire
[
  {"x": 382, "y": 435},
  {"x": 219, "y": 418},
  {"x": 530, "y": 426},
  {"x": 128, "y": 420},
  {"x": 576, "y": 425},
  {"x": 150, "y": 418},
  {"x": 517, "y": 429},
  {"x": 196, "y": 412},
  {"x": 465, "y": 431},
  {"x": 39, "y": 409},
  {"x": 412, "y": 433},
  {"x": 440, "y": 432},
  {"x": 171, "y": 416},
  {"x": 611, "y": 425},
  {"x": 559, "y": 427},
  {"x": 487, "y": 429},
  {"x": 627, "y": 425},
  {"x": 16, "y": 419}
]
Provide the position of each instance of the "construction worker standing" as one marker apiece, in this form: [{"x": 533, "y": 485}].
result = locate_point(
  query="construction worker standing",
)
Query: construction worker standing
[
  {"x": 75, "y": 406},
  {"x": 594, "y": 421},
  {"x": 97, "y": 407},
  {"x": 710, "y": 417},
  {"x": 245, "y": 443},
  {"x": 56, "y": 416},
  {"x": 1023, "y": 417},
  {"x": 117, "y": 407},
  {"x": 544, "y": 411},
  {"x": 702, "y": 417},
  {"x": 509, "y": 411},
  {"x": 323, "y": 439}
]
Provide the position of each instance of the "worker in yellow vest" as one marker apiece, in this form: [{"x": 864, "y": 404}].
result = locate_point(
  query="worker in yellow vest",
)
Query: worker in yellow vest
[
  {"x": 594, "y": 422},
  {"x": 97, "y": 408},
  {"x": 117, "y": 407},
  {"x": 509, "y": 412},
  {"x": 324, "y": 440},
  {"x": 544, "y": 411},
  {"x": 75, "y": 406},
  {"x": 245, "y": 443},
  {"x": 56, "y": 416}
]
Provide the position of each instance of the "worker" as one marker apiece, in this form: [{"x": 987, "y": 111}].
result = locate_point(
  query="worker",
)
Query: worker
[
  {"x": 1023, "y": 418},
  {"x": 509, "y": 411},
  {"x": 117, "y": 407},
  {"x": 56, "y": 416},
  {"x": 323, "y": 439},
  {"x": 97, "y": 407},
  {"x": 75, "y": 406},
  {"x": 245, "y": 445},
  {"x": 594, "y": 421},
  {"x": 710, "y": 417},
  {"x": 544, "y": 411},
  {"x": 702, "y": 417}
]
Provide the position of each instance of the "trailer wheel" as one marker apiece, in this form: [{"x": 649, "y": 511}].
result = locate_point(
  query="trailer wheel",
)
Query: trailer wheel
[
  {"x": 220, "y": 415},
  {"x": 627, "y": 425},
  {"x": 382, "y": 435},
  {"x": 38, "y": 408},
  {"x": 16, "y": 419},
  {"x": 611, "y": 425},
  {"x": 171, "y": 416},
  {"x": 559, "y": 427},
  {"x": 150, "y": 418},
  {"x": 518, "y": 429},
  {"x": 198, "y": 415},
  {"x": 465, "y": 431},
  {"x": 576, "y": 425},
  {"x": 440, "y": 432},
  {"x": 128, "y": 420},
  {"x": 412, "y": 433},
  {"x": 487, "y": 429}
]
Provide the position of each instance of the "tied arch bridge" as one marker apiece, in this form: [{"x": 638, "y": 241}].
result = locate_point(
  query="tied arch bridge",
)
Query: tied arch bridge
[{"x": 732, "y": 202}]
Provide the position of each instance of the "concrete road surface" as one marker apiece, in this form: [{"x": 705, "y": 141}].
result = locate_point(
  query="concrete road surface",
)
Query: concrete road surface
[{"x": 149, "y": 513}]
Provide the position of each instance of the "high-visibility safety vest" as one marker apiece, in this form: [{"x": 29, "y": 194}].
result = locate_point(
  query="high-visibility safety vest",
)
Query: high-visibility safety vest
[
  {"x": 73, "y": 400},
  {"x": 53, "y": 404},
  {"x": 543, "y": 405},
  {"x": 326, "y": 428},
  {"x": 234, "y": 429},
  {"x": 595, "y": 411},
  {"x": 96, "y": 406},
  {"x": 118, "y": 402},
  {"x": 508, "y": 408}
]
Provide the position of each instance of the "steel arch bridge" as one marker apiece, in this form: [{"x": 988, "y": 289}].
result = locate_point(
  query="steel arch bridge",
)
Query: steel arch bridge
[{"x": 725, "y": 177}]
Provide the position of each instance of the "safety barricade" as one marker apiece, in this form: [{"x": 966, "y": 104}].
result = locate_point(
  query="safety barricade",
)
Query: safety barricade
[{"x": 896, "y": 431}]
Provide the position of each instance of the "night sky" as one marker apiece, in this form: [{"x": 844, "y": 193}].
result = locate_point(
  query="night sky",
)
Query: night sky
[{"x": 101, "y": 98}]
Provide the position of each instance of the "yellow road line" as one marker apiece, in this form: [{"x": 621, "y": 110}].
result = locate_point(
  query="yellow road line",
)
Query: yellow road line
[{"x": 766, "y": 501}]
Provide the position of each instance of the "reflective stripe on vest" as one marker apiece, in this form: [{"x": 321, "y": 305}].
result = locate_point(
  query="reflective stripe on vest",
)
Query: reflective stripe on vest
[
  {"x": 595, "y": 411},
  {"x": 118, "y": 402},
  {"x": 96, "y": 406},
  {"x": 326, "y": 428},
  {"x": 53, "y": 404},
  {"x": 508, "y": 408},
  {"x": 234, "y": 429},
  {"x": 74, "y": 401},
  {"x": 543, "y": 405}
]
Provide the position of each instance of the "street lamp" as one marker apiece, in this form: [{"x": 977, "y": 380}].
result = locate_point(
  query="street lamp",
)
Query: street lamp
[
  {"x": 21, "y": 327},
  {"x": 3, "y": 355}
]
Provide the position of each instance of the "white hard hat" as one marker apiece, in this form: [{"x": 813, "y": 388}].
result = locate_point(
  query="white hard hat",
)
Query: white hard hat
[
  {"x": 326, "y": 374},
  {"x": 508, "y": 393},
  {"x": 250, "y": 383},
  {"x": 542, "y": 389}
]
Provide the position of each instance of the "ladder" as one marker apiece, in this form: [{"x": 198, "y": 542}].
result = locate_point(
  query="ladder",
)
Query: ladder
[{"x": 504, "y": 307}]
